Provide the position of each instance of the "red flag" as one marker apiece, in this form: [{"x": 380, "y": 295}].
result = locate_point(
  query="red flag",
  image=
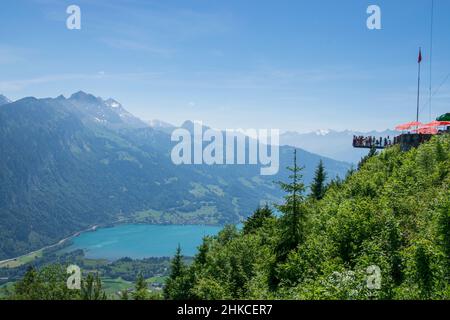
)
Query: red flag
[{"x": 420, "y": 56}]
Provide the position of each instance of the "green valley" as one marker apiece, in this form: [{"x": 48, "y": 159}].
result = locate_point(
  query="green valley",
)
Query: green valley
[
  {"x": 71, "y": 163},
  {"x": 390, "y": 220}
]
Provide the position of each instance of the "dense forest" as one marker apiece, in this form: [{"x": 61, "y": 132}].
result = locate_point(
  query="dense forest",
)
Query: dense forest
[
  {"x": 392, "y": 216},
  {"x": 383, "y": 232}
]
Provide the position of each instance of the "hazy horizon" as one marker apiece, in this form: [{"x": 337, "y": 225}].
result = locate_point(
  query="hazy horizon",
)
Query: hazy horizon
[
  {"x": 151, "y": 122},
  {"x": 211, "y": 61}
]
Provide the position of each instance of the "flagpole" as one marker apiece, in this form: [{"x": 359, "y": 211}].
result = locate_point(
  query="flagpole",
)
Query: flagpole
[
  {"x": 418, "y": 86},
  {"x": 431, "y": 56}
]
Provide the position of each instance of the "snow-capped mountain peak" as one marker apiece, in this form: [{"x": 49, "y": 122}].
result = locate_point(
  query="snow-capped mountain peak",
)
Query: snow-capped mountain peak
[
  {"x": 330, "y": 143},
  {"x": 4, "y": 100},
  {"x": 322, "y": 132},
  {"x": 113, "y": 103},
  {"x": 109, "y": 112}
]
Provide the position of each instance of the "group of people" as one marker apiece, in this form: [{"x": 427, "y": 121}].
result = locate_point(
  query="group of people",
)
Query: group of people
[
  {"x": 370, "y": 142},
  {"x": 447, "y": 130}
]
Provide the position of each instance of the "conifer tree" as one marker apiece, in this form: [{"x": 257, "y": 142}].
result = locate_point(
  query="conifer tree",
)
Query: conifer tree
[
  {"x": 178, "y": 266},
  {"x": 200, "y": 258},
  {"x": 257, "y": 220},
  {"x": 141, "y": 288},
  {"x": 91, "y": 288},
  {"x": 318, "y": 186},
  {"x": 292, "y": 221},
  {"x": 124, "y": 294},
  {"x": 178, "y": 284}
]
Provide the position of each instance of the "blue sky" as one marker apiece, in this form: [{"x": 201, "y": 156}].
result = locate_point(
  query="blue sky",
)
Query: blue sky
[{"x": 293, "y": 65}]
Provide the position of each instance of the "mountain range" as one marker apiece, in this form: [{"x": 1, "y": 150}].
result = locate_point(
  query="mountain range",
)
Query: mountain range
[
  {"x": 334, "y": 144},
  {"x": 69, "y": 163},
  {"x": 327, "y": 143}
]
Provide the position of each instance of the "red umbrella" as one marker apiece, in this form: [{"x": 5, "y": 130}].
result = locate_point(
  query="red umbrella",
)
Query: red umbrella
[
  {"x": 435, "y": 124},
  {"x": 407, "y": 126},
  {"x": 426, "y": 130}
]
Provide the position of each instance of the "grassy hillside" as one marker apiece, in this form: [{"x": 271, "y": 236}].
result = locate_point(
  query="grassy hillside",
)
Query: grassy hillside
[{"x": 391, "y": 216}]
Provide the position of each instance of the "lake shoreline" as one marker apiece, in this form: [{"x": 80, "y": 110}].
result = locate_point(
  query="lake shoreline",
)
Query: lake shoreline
[
  {"x": 94, "y": 228},
  {"x": 139, "y": 241}
]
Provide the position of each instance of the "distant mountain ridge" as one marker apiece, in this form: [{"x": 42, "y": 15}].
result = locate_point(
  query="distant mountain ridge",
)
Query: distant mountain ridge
[
  {"x": 68, "y": 163},
  {"x": 329, "y": 143},
  {"x": 4, "y": 100},
  {"x": 158, "y": 124},
  {"x": 324, "y": 142}
]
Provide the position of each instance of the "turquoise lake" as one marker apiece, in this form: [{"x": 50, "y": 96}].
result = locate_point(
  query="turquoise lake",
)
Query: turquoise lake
[{"x": 139, "y": 241}]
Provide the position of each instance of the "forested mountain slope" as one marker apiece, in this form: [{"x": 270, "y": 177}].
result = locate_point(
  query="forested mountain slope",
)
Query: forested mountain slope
[
  {"x": 383, "y": 233},
  {"x": 69, "y": 163}
]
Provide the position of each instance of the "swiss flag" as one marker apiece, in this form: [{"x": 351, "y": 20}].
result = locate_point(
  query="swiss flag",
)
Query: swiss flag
[{"x": 419, "y": 60}]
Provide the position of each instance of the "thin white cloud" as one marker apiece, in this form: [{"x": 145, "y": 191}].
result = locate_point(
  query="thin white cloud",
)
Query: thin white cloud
[
  {"x": 20, "y": 84},
  {"x": 16, "y": 85},
  {"x": 124, "y": 44}
]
